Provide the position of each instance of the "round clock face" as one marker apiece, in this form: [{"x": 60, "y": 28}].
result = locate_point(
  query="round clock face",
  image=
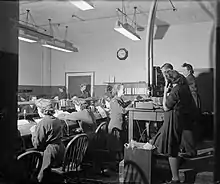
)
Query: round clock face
[{"x": 122, "y": 54}]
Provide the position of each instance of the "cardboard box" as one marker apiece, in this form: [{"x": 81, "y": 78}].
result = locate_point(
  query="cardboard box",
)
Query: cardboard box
[{"x": 153, "y": 167}]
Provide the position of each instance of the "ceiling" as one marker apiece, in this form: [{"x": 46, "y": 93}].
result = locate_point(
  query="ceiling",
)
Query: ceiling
[{"x": 63, "y": 13}]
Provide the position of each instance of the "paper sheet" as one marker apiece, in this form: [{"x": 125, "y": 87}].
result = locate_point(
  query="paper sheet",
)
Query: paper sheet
[
  {"x": 101, "y": 112},
  {"x": 22, "y": 122}
]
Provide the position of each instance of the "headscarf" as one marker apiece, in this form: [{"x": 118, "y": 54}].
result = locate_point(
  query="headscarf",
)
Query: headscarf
[{"x": 45, "y": 105}]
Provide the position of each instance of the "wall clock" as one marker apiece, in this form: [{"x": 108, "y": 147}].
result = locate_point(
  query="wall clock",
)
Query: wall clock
[{"x": 122, "y": 54}]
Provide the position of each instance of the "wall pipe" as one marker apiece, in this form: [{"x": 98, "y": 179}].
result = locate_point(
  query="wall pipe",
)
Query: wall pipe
[{"x": 149, "y": 44}]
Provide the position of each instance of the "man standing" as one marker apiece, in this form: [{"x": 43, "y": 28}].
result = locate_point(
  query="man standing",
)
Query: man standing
[
  {"x": 188, "y": 143},
  {"x": 188, "y": 73}
]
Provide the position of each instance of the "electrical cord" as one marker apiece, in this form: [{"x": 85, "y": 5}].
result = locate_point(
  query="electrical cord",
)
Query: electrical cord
[{"x": 140, "y": 132}]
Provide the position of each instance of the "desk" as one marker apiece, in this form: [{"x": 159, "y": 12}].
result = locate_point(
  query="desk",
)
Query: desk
[{"x": 143, "y": 114}]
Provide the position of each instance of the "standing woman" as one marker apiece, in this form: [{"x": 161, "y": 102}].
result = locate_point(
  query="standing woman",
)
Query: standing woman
[
  {"x": 179, "y": 107},
  {"x": 46, "y": 137},
  {"x": 117, "y": 108},
  {"x": 117, "y": 118}
]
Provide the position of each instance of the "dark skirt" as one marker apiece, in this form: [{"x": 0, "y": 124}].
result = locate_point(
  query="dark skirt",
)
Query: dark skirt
[{"x": 168, "y": 138}]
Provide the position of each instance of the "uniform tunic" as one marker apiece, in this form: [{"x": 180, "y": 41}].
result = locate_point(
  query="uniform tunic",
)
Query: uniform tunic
[
  {"x": 179, "y": 116},
  {"x": 117, "y": 112},
  {"x": 191, "y": 80},
  {"x": 47, "y": 138}
]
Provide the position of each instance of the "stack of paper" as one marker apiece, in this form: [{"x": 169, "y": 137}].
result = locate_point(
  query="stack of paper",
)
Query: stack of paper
[{"x": 22, "y": 122}]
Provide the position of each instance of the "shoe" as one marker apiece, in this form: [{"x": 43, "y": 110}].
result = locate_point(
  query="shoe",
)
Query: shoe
[{"x": 173, "y": 182}]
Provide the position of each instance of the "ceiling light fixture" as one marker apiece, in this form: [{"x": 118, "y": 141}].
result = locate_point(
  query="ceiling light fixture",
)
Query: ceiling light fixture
[
  {"x": 64, "y": 45},
  {"x": 127, "y": 30},
  {"x": 29, "y": 30},
  {"x": 83, "y": 4},
  {"x": 53, "y": 46},
  {"x": 29, "y": 40},
  {"x": 122, "y": 26},
  {"x": 61, "y": 45}
]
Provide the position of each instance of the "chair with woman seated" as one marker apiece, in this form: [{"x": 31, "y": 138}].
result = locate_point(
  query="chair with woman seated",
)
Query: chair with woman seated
[
  {"x": 31, "y": 162},
  {"x": 97, "y": 153},
  {"x": 74, "y": 153}
]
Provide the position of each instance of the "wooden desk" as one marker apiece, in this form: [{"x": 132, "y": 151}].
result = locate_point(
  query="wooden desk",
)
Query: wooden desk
[{"x": 143, "y": 114}]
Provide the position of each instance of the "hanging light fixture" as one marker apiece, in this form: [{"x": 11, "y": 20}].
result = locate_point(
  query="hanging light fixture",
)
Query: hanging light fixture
[
  {"x": 64, "y": 45},
  {"x": 53, "y": 46},
  {"x": 126, "y": 29},
  {"x": 61, "y": 45},
  {"x": 83, "y": 4},
  {"x": 29, "y": 32},
  {"x": 27, "y": 39}
]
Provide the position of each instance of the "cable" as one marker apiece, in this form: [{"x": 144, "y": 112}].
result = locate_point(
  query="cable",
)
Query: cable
[
  {"x": 141, "y": 133},
  {"x": 174, "y": 8}
]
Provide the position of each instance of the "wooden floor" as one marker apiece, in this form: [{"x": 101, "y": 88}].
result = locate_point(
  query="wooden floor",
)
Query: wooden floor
[{"x": 198, "y": 170}]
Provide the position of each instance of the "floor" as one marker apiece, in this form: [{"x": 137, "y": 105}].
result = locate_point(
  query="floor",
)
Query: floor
[{"x": 203, "y": 164}]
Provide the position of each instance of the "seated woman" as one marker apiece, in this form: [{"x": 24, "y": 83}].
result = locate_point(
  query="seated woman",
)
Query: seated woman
[
  {"x": 46, "y": 137},
  {"x": 30, "y": 108},
  {"x": 179, "y": 110},
  {"x": 84, "y": 91},
  {"x": 62, "y": 93},
  {"x": 84, "y": 115},
  {"x": 107, "y": 97},
  {"x": 20, "y": 145}
]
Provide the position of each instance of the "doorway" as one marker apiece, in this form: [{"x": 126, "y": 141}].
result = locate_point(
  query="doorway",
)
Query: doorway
[{"x": 74, "y": 79}]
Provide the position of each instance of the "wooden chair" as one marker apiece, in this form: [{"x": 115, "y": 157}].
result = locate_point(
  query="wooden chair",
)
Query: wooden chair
[
  {"x": 133, "y": 173},
  {"x": 102, "y": 127},
  {"x": 32, "y": 163},
  {"x": 74, "y": 153}
]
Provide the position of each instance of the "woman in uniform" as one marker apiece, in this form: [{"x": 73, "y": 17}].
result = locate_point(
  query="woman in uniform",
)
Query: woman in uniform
[{"x": 46, "y": 137}]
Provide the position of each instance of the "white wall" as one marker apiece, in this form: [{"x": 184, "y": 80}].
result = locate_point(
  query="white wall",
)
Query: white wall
[{"x": 97, "y": 53}]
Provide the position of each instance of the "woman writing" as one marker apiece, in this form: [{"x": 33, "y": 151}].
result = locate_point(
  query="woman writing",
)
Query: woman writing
[{"x": 179, "y": 106}]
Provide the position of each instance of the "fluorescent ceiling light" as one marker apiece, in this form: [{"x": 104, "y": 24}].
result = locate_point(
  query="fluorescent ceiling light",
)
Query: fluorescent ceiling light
[
  {"x": 56, "y": 47},
  {"x": 83, "y": 5},
  {"x": 30, "y": 31},
  {"x": 127, "y": 30},
  {"x": 27, "y": 39}
]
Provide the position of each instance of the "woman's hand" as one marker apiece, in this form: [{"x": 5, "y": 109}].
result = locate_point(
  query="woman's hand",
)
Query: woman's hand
[{"x": 32, "y": 129}]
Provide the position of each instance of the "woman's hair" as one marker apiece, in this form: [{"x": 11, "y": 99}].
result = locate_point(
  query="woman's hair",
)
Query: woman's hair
[
  {"x": 83, "y": 84},
  {"x": 46, "y": 106},
  {"x": 116, "y": 88},
  {"x": 80, "y": 102},
  {"x": 167, "y": 66},
  {"x": 188, "y": 67},
  {"x": 174, "y": 77},
  {"x": 109, "y": 88}
]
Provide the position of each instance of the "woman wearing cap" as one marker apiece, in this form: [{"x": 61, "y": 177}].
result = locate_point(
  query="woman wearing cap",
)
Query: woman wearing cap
[{"x": 46, "y": 136}]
